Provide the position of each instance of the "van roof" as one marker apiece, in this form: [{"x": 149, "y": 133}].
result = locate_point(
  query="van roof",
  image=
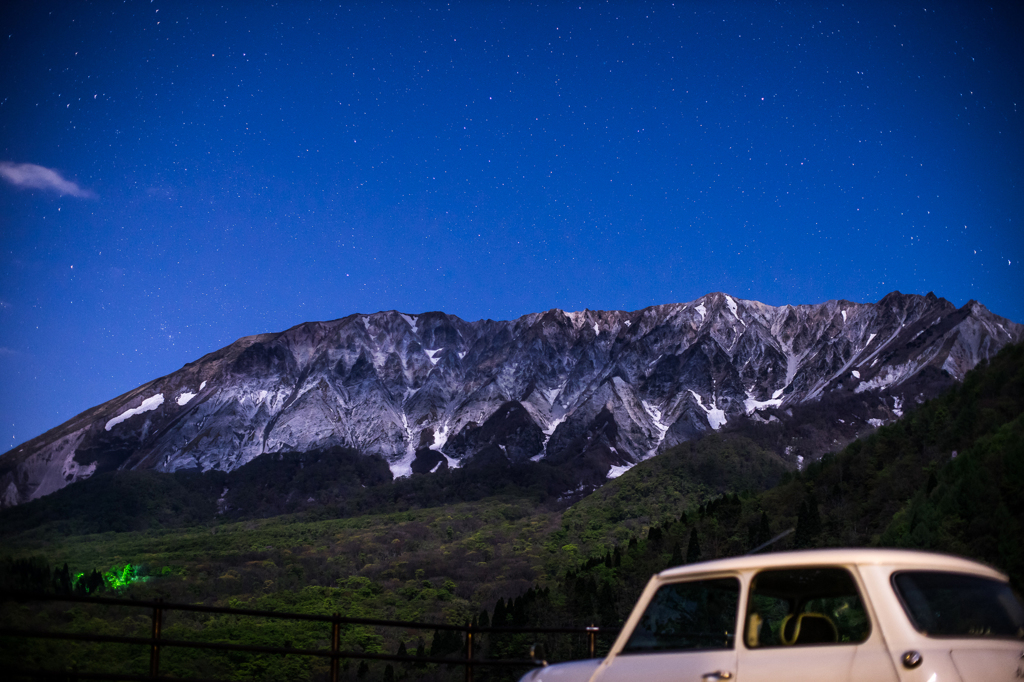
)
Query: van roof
[{"x": 896, "y": 558}]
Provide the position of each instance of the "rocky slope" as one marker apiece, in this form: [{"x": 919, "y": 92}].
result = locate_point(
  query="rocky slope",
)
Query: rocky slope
[{"x": 593, "y": 390}]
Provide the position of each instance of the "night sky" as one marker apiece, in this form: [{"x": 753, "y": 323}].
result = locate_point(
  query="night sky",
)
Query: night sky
[{"x": 174, "y": 176}]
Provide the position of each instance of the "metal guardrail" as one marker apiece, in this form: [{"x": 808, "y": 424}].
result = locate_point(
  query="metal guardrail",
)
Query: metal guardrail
[{"x": 156, "y": 642}]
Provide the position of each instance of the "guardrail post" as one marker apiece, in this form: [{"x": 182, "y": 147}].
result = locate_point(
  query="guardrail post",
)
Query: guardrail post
[
  {"x": 154, "y": 650},
  {"x": 469, "y": 652},
  {"x": 592, "y": 637},
  {"x": 335, "y": 638}
]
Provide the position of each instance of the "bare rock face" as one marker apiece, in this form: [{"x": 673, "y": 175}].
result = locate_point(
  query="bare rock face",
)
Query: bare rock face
[{"x": 595, "y": 390}]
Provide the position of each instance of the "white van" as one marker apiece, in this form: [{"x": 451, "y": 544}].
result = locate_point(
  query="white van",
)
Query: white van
[{"x": 839, "y": 615}]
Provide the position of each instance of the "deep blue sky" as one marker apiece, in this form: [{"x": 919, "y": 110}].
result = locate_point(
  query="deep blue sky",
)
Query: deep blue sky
[{"x": 230, "y": 170}]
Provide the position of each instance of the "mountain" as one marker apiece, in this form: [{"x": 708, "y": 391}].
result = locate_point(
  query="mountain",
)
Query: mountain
[{"x": 592, "y": 391}]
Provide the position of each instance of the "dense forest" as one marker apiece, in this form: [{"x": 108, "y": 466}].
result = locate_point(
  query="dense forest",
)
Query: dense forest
[{"x": 329, "y": 531}]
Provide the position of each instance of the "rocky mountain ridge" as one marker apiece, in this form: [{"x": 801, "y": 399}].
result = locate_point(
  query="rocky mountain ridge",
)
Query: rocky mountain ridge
[{"x": 594, "y": 390}]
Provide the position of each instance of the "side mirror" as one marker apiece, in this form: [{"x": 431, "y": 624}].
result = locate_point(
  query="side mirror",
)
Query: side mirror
[{"x": 537, "y": 654}]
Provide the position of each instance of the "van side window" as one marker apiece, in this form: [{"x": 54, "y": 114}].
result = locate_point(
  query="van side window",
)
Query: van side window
[
  {"x": 686, "y": 616},
  {"x": 802, "y": 607},
  {"x": 944, "y": 604}
]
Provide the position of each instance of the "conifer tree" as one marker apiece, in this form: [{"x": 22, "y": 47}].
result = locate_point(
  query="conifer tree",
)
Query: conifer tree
[
  {"x": 677, "y": 556},
  {"x": 654, "y": 539},
  {"x": 693, "y": 550},
  {"x": 808, "y": 523},
  {"x": 62, "y": 580},
  {"x": 420, "y": 653},
  {"x": 800, "y": 539},
  {"x": 764, "y": 533},
  {"x": 500, "y": 614}
]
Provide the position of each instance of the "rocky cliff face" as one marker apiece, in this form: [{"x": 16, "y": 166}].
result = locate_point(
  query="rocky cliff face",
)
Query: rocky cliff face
[{"x": 598, "y": 390}]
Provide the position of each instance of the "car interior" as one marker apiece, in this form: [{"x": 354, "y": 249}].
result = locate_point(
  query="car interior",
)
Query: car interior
[{"x": 802, "y": 607}]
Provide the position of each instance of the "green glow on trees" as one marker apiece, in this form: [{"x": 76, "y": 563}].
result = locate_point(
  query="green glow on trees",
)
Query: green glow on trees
[{"x": 116, "y": 578}]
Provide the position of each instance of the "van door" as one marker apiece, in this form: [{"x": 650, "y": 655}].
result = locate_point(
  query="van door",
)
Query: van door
[
  {"x": 809, "y": 624},
  {"x": 687, "y": 633}
]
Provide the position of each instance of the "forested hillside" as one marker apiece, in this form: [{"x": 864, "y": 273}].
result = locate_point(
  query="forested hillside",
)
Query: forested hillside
[{"x": 469, "y": 545}]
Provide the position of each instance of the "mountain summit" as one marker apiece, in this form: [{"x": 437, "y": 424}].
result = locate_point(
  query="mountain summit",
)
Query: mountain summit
[{"x": 594, "y": 390}]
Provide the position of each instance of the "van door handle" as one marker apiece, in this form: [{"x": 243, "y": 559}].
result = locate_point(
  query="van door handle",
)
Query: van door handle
[{"x": 717, "y": 676}]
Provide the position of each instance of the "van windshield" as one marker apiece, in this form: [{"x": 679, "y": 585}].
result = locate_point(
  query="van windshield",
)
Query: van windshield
[{"x": 944, "y": 604}]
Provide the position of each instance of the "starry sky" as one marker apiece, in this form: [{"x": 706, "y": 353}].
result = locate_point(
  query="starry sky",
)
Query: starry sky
[{"x": 176, "y": 175}]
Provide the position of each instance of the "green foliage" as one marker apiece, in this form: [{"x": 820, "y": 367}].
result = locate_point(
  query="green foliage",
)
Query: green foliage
[
  {"x": 665, "y": 486},
  {"x": 975, "y": 506}
]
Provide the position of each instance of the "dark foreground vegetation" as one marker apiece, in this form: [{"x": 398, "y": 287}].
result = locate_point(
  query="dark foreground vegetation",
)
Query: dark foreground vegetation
[{"x": 487, "y": 545}]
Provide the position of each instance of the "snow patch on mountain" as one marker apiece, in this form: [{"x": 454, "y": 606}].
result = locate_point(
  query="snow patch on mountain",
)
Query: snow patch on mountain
[
  {"x": 551, "y": 394},
  {"x": 550, "y": 428},
  {"x": 792, "y": 365},
  {"x": 549, "y": 431},
  {"x": 893, "y": 374},
  {"x": 183, "y": 398},
  {"x": 732, "y": 308},
  {"x": 716, "y": 417},
  {"x": 578, "y": 318},
  {"x": 412, "y": 322},
  {"x": 752, "y": 404},
  {"x": 440, "y": 437},
  {"x": 402, "y": 467},
  {"x": 617, "y": 471},
  {"x": 410, "y": 444},
  {"x": 147, "y": 405},
  {"x": 662, "y": 428}
]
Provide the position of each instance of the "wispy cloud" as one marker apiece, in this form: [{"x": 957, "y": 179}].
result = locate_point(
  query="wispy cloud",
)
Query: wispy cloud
[{"x": 31, "y": 176}]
